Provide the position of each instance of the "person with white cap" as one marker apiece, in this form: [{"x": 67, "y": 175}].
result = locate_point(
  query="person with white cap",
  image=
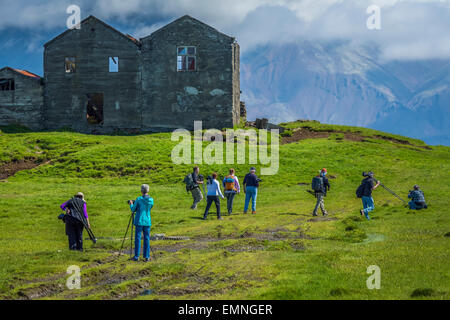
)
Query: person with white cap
[{"x": 76, "y": 219}]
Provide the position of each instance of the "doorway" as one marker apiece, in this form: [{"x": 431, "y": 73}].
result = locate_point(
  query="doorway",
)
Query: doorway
[{"x": 94, "y": 108}]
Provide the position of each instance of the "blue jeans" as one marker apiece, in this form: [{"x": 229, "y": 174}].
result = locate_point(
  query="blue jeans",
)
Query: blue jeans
[
  {"x": 137, "y": 242},
  {"x": 417, "y": 206},
  {"x": 251, "y": 192},
  {"x": 368, "y": 205}
]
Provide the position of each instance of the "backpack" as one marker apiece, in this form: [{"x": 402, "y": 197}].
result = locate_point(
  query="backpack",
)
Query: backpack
[
  {"x": 229, "y": 184},
  {"x": 317, "y": 184},
  {"x": 360, "y": 191},
  {"x": 189, "y": 181}
]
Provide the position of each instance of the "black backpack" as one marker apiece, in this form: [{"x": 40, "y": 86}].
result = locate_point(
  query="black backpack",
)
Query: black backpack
[
  {"x": 317, "y": 184},
  {"x": 360, "y": 191},
  {"x": 189, "y": 181}
]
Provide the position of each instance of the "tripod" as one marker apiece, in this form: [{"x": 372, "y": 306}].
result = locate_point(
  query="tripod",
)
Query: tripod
[
  {"x": 124, "y": 237},
  {"x": 131, "y": 242},
  {"x": 393, "y": 193}
]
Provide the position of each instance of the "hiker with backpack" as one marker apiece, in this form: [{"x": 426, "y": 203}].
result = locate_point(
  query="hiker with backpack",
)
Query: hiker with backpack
[
  {"x": 193, "y": 182},
  {"x": 364, "y": 191},
  {"x": 251, "y": 185},
  {"x": 213, "y": 196},
  {"x": 417, "y": 199},
  {"x": 76, "y": 219},
  {"x": 320, "y": 186},
  {"x": 232, "y": 187}
]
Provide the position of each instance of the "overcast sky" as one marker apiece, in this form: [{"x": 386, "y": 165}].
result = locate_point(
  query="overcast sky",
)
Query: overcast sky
[{"x": 410, "y": 29}]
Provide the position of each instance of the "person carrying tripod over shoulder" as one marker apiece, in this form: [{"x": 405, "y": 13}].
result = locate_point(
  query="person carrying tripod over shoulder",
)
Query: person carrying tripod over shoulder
[
  {"x": 76, "y": 218},
  {"x": 142, "y": 207},
  {"x": 320, "y": 185},
  {"x": 368, "y": 184}
]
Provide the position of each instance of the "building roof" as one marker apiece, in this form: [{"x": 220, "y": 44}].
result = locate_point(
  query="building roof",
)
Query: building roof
[
  {"x": 128, "y": 37},
  {"x": 23, "y": 72},
  {"x": 190, "y": 18}
]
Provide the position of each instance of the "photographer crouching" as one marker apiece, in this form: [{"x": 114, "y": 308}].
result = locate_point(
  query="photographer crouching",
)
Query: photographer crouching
[{"x": 141, "y": 208}]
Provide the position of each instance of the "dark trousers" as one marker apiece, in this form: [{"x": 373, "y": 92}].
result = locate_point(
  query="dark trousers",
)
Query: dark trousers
[
  {"x": 74, "y": 231},
  {"x": 209, "y": 201},
  {"x": 230, "y": 199}
]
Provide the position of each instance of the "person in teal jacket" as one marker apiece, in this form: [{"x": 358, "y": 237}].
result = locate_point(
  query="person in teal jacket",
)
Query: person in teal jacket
[{"x": 142, "y": 207}]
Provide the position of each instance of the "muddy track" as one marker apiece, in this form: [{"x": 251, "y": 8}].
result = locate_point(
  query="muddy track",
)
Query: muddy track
[{"x": 99, "y": 277}]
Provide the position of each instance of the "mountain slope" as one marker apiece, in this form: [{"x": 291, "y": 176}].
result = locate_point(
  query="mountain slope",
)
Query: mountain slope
[{"x": 338, "y": 83}]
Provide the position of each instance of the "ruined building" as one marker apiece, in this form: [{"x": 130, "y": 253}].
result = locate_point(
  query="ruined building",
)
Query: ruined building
[{"x": 99, "y": 80}]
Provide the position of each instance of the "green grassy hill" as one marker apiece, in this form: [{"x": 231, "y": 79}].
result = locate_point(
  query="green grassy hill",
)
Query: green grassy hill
[{"x": 280, "y": 253}]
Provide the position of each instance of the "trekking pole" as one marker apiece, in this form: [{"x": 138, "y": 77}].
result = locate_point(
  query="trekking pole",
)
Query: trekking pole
[
  {"x": 124, "y": 237},
  {"x": 393, "y": 193}
]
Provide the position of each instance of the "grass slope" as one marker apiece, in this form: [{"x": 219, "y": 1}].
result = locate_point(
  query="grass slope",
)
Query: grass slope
[{"x": 281, "y": 253}]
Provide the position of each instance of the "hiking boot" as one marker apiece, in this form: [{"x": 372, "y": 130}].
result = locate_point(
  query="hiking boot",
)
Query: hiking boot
[
  {"x": 245, "y": 212},
  {"x": 314, "y": 214},
  {"x": 219, "y": 218},
  {"x": 146, "y": 259},
  {"x": 367, "y": 216},
  {"x": 134, "y": 259},
  {"x": 361, "y": 211},
  {"x": 253, "y": 212},
  {"x": 204, "y": 218},
  {"x": 325, "y": 214}
]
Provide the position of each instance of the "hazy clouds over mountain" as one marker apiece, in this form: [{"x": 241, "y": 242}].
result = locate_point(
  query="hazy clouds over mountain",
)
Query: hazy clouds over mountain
[{"x": 337, "y": 83}]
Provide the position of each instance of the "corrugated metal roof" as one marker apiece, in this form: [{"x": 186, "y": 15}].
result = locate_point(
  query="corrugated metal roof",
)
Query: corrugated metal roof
[{"x": 26, "y": 73}]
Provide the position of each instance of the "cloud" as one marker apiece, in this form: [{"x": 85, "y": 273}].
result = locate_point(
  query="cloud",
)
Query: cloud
[{"x": 410, "y": 29}]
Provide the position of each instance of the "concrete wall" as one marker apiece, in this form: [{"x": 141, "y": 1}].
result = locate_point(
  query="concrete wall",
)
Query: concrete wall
[
  {"x": 66, "y": 93},
  {"x": 174, "y": 99},
  {"x": 24, "y": 104}
]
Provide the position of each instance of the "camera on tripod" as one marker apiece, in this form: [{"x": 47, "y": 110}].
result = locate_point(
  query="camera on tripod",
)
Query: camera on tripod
[{"x": 367, "y": 174}]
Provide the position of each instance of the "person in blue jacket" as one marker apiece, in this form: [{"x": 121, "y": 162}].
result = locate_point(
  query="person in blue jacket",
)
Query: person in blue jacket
[{"x": 142, "y": 207}]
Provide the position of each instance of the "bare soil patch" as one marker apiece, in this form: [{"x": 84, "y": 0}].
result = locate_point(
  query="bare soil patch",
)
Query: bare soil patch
[
  {"x": 303, "y": 134},
  {"x": 9, "y": 169}
]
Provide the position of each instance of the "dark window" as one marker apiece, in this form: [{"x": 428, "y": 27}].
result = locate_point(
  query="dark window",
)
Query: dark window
[
  {"x": 94, "y": 108},
  {"x": 186, "y": 58},
  {"x": 70, "y": 65},
  {"x": 7, "y": 85}
]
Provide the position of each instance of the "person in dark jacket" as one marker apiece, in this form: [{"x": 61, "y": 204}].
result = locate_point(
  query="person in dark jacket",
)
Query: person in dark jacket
[
  {"x": 369, "y": 184},
  {"x": 76, "y": 218},
  {"x": 142, "y": 207},
  {"x": 417, "y": 199},
  {"x": 251, "y": 185},
  {"x": 320, "y": 194}
]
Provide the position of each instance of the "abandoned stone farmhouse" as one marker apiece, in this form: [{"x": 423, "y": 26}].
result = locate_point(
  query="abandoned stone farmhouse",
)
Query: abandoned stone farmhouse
[{"x": 99, "y": 80}]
